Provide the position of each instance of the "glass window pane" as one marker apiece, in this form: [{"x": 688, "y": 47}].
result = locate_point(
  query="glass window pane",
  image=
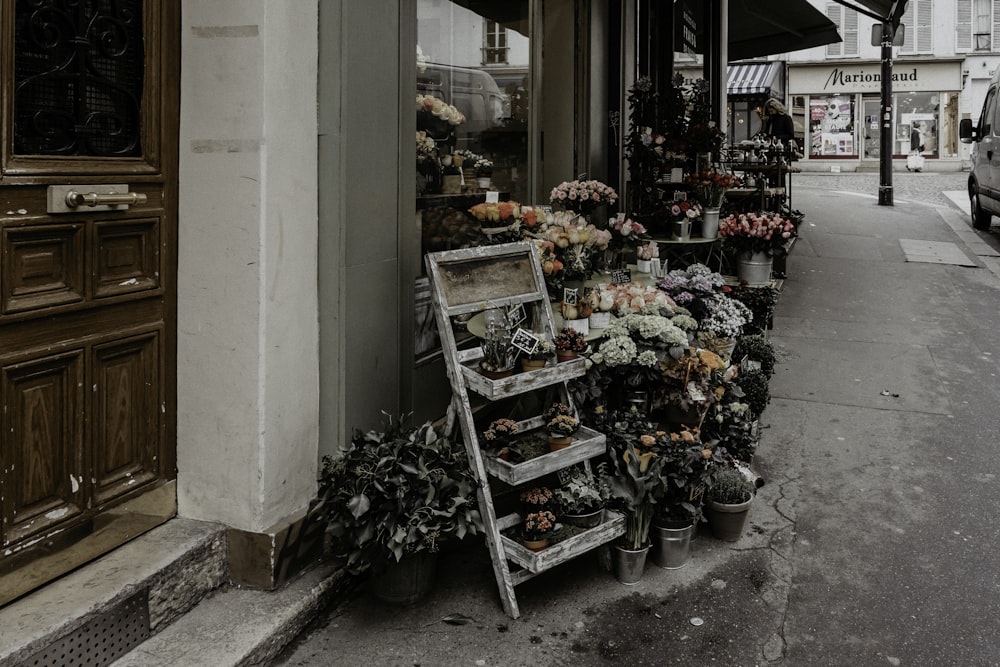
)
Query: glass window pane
[
  {"x": 473, "y": 78},
  {"x": 831, "y": 123}
]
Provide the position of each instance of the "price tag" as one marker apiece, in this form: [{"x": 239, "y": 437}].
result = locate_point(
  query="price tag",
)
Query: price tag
[
  {"x": 516, "y": 314},
  {"x": 525, "y": 341},
  {"x": 570, "y": 296},
  {"x": 621, "y": 276},
  {"x": 492, "y": 197}
]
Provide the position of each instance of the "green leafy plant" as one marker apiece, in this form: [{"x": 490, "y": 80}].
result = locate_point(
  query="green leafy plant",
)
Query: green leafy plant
[
  {"x": 756, "y": 392},
  {"x": 397, "y": 492},
  {"x": 759, "y": 348},
  {"x": 731, "y": 487},
  {"x": 582, "y": 491}
]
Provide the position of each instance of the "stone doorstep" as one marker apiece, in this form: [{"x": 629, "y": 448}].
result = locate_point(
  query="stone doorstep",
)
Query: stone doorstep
[
  {"x": 166, "y": 571},
  {"x": 178, "y": 571}
]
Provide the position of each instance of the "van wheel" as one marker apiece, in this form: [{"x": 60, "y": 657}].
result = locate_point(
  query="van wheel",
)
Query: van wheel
[{"x": 980, "y": 218}]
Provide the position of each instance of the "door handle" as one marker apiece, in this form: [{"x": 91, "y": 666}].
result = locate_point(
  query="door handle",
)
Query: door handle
[
  {"x": 98, "y": 197},
  {"x": 75, "y": 199}
]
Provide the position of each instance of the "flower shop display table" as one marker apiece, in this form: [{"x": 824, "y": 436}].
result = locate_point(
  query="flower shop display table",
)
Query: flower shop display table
[{"x": 694, "y": 250}]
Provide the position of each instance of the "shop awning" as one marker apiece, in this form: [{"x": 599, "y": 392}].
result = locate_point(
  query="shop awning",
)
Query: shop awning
[
  {"x": 755, "y": 79},
  {"x": 757, "y": 28}
]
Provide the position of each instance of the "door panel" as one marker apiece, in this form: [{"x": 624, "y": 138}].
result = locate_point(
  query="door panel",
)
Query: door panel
[{"x": 87, "y": 293}]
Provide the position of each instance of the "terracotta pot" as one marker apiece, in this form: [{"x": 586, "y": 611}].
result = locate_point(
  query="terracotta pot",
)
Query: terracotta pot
[
  {"x": 562, "y": 355},
  {"x": 496, "y": 375},
  {"x": 535, "y": 544},
  {"x": 557, "y": 442},
  {"x": 532, "y": 364}
]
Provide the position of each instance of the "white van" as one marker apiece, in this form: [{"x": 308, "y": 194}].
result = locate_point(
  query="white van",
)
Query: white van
[
  {"x": 984, "y": 179},
  {"x": 472, "y": 91}
]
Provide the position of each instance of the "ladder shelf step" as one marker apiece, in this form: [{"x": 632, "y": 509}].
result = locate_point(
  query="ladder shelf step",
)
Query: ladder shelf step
[
  {"x": 587, "y": 443},
  {"x": 612, "y": 526},
  {"x": 519, "y": 383}
]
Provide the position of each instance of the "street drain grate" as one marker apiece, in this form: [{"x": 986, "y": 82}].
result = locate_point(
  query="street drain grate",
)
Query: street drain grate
[{"x": 101, "y": 641}]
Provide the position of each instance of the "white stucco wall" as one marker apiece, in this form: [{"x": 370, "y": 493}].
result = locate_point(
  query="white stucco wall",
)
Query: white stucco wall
[{"x": 247, "y": 423}]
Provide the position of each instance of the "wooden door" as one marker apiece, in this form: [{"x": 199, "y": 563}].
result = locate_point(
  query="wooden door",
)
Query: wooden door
[{"x": 89, "y": 106}]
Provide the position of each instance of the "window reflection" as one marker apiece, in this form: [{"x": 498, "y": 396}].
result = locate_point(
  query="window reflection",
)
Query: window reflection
[{"x": 472, "y": 103}]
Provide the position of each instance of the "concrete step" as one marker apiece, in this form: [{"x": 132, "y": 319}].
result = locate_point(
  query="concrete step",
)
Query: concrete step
[
  {"x": 104, "y": 608},
  {"x": 162, "y": 599},
  {"x": 240, "y": 627}
]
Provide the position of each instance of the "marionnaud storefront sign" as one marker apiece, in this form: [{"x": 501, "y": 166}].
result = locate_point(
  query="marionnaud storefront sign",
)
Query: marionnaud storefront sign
[{"x": 866, "y": 77}]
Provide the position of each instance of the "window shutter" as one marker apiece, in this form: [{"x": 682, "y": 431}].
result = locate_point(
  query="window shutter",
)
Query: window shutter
[
  {"x": 925, "y": 26},
  {"x": 835, "y": 13},
  {"x": 909, "y": 38},
  {"x": 850, "y": 32},
  {"x": 963, "y": 25},
  {"x": 996, "y": 22}
]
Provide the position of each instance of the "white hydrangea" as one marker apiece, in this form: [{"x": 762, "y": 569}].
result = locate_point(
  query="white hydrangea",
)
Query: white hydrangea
[
  {"x": 647, "y": 358},
  {"x": 618, "y": 351}
]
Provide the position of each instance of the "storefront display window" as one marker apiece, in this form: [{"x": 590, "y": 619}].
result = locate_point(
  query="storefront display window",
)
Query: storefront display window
[
  {"x": 831, "y": 126},
  {"x": 916, "y": 123}
]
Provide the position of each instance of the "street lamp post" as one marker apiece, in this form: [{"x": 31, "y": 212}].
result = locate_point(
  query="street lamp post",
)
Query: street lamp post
[{"x": 885, "y": 150}]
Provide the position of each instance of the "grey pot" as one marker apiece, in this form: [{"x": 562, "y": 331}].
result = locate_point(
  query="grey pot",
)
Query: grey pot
[
  {"x": 629, "y": 563},
  {"x": 407, "y": 581},
  {"x": 589, "y": 520},
  {"x": 727, "y": 521}
]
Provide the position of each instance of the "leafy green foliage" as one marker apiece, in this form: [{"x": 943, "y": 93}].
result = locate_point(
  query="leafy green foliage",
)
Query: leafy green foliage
[
  {"x": 397, "y": 492},
  {"x": 731, "y": 487}
]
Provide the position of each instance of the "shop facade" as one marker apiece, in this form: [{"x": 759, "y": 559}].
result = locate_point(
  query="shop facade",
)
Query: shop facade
[{"x": 837, "y": 104}]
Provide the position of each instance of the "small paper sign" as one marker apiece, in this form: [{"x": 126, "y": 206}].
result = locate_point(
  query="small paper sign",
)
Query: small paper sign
[
  {"x": 516, "y": 314},
  {"x": 656, "y": 269},
  {"x": 676, "y": 175},
  {"x": 621, "y": 276},
  {"x": 492, "y": 197},
  {"x": 525, "y": 341},
  {"x": 680, "y": 195},
  {"x": 570, "y": 296}
]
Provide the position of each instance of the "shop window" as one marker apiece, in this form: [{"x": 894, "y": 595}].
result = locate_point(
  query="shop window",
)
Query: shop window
[
  {"x": 831, "y": 126},
  {"x": 473, "y": 80},
  {"x": 916, "y": 123}
]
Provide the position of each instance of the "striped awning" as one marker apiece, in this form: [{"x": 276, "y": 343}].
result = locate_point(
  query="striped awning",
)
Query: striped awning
[{"x": 755, "y": 79}]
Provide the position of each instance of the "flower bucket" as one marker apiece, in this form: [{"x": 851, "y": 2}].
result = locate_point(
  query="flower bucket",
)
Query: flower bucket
[
  {"x": 754, "y": 269},
  {"x": 710, "y": 223},
  {"x": 682, "y": 230},
  {"x": 673, "y": 545},
  {"x": 483, "y": 182},
  {"x": 407, "y": 581},
  {"x": 583, "y": 326},
  {"x": 629, "y": 564},
  {"x": 644, "y": 266},
  {"x": 600, "y": 320}
]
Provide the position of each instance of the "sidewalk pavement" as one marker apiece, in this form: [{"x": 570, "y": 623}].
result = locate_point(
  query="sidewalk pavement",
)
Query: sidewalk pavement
[{"x": 871, "y": 542}]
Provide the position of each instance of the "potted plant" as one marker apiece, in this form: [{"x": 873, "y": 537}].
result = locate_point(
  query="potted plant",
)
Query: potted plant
[
  {"x": 392, "y": 498},
  {"x": 569, "y": 344},
  {"x": 755, "y": 237},
  {"x": 729, "y": 503},
  {"x": 498, "y": 352},
  {"x": 756, "y": 352},
  {"x": 685, "y": 474},
  {"x": 539, "y": 356},
  {"x": 636, "y": 472},
  {"x": 582, "y": 496},
  {"x": 500, "y": 433},
  {"x": 536, "y": 529},
  {"x": 484, "y": 170},
  {"x": 756, "y": 390},
  {"x": 560, "y": 431}
]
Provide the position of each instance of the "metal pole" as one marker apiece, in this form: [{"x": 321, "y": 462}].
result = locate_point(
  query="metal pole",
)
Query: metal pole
[{"x": 885, "y": 151}]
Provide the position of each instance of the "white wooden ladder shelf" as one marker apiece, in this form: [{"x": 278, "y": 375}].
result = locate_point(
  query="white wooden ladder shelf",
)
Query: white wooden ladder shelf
[{"x": 469, "y": 281}]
